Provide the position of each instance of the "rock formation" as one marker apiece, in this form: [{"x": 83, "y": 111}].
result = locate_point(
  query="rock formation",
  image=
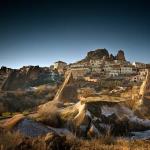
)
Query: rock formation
[
  {"x": 27, "y": 76},
  {"x": 120, "y": 55},
  {"x": 104, "y": 54},
  {"x": 98, "y": 118},
  {"x": 67, "y": 92},
  {"x": 5, "y": 69},
  {"x": 111, "y": 57},
  {"x": 97, "y": 54},
  {"x": 4, "y": 72}
]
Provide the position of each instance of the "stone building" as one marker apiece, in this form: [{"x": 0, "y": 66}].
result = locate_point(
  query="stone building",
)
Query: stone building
[
  {"x": 96, "y": 62},
  {"x": 139, "y": 65},
  {"x": 115, "y": 70},
  {"x": 126, "y": 69},
  {"x": 80, "y": 72}
]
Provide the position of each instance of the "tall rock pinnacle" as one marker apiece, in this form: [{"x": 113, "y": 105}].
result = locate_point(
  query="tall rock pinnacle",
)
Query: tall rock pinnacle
[{"x": 120, "y": 55}]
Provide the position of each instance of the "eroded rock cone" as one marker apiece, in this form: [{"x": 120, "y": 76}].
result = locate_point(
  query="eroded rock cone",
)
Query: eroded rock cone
[
  {"x": 120, "y": 55},
  {"x": 67, "y": 92},
  {"x": 111, "y": 57}
]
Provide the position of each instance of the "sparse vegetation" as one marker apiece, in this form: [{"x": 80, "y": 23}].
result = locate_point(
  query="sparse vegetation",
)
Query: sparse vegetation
[
  {"x": 15, "y": 141},
  {"x": 9, "y": 140},
  {"x": 19, "y": 101},
  {"x": 6, "y": 114}
]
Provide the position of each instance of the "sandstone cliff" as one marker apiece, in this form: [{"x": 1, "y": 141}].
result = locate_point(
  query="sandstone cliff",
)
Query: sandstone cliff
[
  {"x": 104, "y": 54},
  {"x": 28, "y": 77}
]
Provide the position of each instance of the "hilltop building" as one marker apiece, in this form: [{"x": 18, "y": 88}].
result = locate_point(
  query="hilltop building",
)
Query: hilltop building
[
  {"x": 139, "y": 65},
  {"x": 99, "y": 64}
]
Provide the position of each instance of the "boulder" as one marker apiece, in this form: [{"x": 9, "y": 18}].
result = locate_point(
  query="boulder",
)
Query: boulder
[{"x": 30, "y": 128}]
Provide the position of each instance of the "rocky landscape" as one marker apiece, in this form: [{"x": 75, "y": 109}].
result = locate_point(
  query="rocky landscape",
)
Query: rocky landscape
[
  {"x": 102, "y": 99},
  {"x": 27, "y": 87}
]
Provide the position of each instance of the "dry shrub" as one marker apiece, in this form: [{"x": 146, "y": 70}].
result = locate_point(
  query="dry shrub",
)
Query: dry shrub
[
  {"x": 50, "y": 116},
  {"x": 107, "y": 140},
  {"x": 15, "y": 141},
  {"x": 9, "y": 140},
  {"x": 101, "y": 144},
  {"x": 133, "y": 144}
]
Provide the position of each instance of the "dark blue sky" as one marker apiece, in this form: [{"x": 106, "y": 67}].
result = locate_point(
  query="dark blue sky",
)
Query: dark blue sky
[{"x": 41, "y": 32}]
